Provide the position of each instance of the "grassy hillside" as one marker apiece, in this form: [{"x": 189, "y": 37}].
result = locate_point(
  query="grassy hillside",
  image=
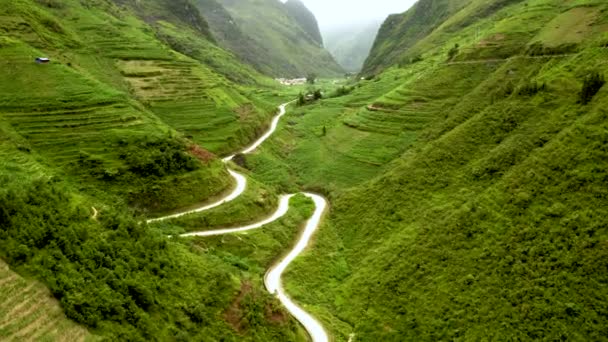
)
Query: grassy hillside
[
  {"x": 115, "y": 99},
  {"x": 291, "y": 50},
  {"x": 179, "y": 12},
  {"x": 400, "y": 32},
  {"x": 474, "y": 206}
]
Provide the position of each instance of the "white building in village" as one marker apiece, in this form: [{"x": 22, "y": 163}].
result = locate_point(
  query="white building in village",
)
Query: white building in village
[{"x": 291, "y": 82}]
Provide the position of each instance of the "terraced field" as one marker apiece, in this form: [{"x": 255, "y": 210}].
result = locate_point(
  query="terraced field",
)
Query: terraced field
[
  {"x": 62, "y": 133},
  {"x": 368, "y": 90},
  {"x": 196, "y": 101},
  {"x": 414, "y": 105},
  {"x": 29, "y": 312}
]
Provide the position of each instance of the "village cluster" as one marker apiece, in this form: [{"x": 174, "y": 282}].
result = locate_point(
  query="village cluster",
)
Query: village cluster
[{"x": 291, "y": 82}]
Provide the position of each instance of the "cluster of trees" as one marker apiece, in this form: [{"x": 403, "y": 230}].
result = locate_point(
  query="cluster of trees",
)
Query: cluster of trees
[
  {"x": 114, "y": 274},
  {"x": 531, "y": 88},
  {"x": 152, "y": 157},
  {"x": 591, "y": 86},
  {"x": 538, "y": 49},
  {"x": 413, "y": 60},
  {"x": 96, "y": 277},
  {"x": 310, "y": 96},
  {"x": 158, "y": 158},
  {"x": 453, "y": 52},
  {"x": 342, "y": 91}
]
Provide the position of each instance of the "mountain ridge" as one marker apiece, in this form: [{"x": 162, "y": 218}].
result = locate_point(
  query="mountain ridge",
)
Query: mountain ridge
[
  {"x": 292, "y": 51},
  {"x": 307, "y": 20}
]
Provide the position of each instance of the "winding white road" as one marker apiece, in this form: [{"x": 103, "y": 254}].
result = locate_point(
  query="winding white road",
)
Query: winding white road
[
  {"x": 273, "y": 277},
  {"x": 273, "y": 281}
]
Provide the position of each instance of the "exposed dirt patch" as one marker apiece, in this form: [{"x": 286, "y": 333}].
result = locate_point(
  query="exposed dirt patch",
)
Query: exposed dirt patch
[
  {"x": 237, "y": 313},
  {"x": 493, "y": 40},
  {"x": 276, "y": 314},
  {"x": 245, "y": 111},
  {"x": 234, "y": 314},
  {"x": 201, "y": 154}
]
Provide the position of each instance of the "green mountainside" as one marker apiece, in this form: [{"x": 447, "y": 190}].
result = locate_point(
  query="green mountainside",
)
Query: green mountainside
[
  {"x": 400, "y": 32},
  {"x": 178, "y": 12},
  {"x": 230, "y": 36},
  {"x": 292, "y": 51},
  {"x": 467, "y": 185},
  {"x": 306, "y": 19}
]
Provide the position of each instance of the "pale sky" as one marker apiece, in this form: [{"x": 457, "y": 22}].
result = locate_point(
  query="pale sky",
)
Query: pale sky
[{"x": 332, "y": 13}]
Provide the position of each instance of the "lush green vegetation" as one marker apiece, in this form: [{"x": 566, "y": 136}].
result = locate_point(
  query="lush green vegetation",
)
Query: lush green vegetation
[
  {"x": 122, "y": 279},
  {"x": 110, "y": 73}
]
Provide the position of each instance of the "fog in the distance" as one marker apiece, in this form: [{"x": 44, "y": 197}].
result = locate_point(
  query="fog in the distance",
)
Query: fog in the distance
[
  {"x": 333, "y": 14},
  {"x": 349, "y": 27}
]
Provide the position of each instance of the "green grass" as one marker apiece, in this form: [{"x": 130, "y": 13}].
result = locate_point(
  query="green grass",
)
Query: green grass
[
  {"x": 572, "y": 26},
  {"x": 485, "y": 30},
  {"x": 114, "y": 81},
  {"x": 202, "y": 105},
  {"x": 67, "y": 115}
]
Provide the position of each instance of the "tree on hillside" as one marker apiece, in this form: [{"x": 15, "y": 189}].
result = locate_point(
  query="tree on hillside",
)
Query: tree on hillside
[
  {"x": 591, "y": 86},
  {"x": 318, "y": 94},
  {"x": 301, "y": 100},
  {"x": 311, "y": 78},
  {"x": 453, "y": 52},
  {"x": 240, "y": 159}
]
